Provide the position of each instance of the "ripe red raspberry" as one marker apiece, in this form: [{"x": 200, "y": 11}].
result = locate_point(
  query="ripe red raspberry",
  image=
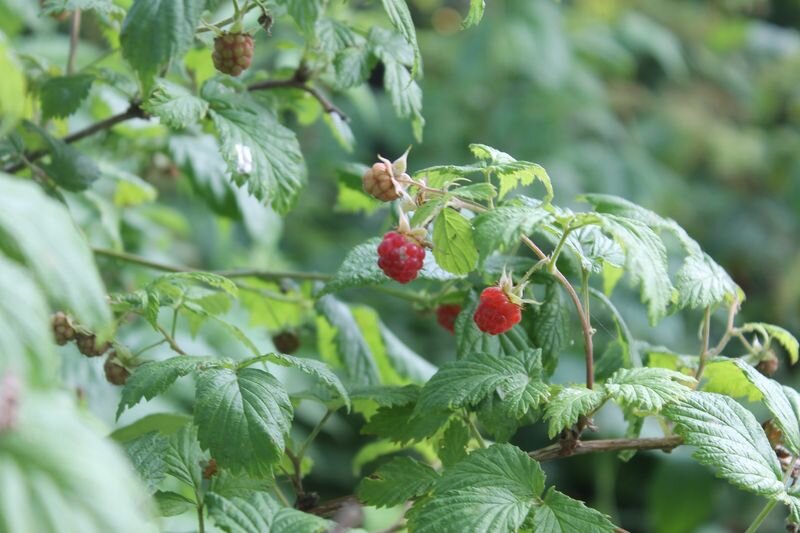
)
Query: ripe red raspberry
[
  {"x": 233, "y": 53},
  {"x": 116, "y": 374},
  {"x": 87, "y": 345},
  {"x": 446, "y": 316},
  {"x": 62, "y": 328},
  {"x": 379, "y": 183},
  {"x": 400, "y": 257},
  {"x": 496, "y": 313}
]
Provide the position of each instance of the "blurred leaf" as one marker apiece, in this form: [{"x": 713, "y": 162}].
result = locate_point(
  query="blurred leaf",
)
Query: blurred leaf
[
  {"x": 147, "y": 455},
  {"x": 723, "y": 376},
  {"x": 548, "y": 326},
  {"x": 317, "y": 369},
  {"x": 156, "y": 32},
  {"x": 173, "y": 504},
  {"x": 356, "y": 356},
  {"x": 253, "y": 514},
  {"x": 175, "y": 105},
  {"x": 54, "y": 251},
  {"x": 54, "y": 473},
  {"x": 12, "y": 87},
  {"x": 61, "y": 96},
  {"x": 475, "y": 13},
  {"x": 502, "y": 227},
  {"x": 510, "y": 172},
  {"x": 781, "y": 335}
]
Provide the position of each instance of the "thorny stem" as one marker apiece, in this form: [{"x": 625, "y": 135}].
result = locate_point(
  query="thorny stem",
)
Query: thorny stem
[
  {"x": 556, "y": 451},
  {"x": 74, "y": 34},
  {"x": 636, "y": 359},
  {"x": 729, "y": 330},
  {"x": 200, "y": 519},
  {"x": 585, "y": 323},
  {"x": 474, "y": 430},
  {"x": 770, "y": 505},
  {"x": 704, "y": 343},
  {"x": 170, "y": 340}
]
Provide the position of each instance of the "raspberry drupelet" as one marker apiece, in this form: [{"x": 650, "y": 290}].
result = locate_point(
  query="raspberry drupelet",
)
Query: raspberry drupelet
[{"x": 400, "y": 256}]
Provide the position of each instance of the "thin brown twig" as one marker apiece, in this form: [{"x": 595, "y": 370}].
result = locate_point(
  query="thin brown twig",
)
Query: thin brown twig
[
  {"x": 581, "y": 447},
  {"x": 170, "y": 340},
  {"x": 133, "y": 111},
  {"x": 585, "y": 324},
  {"x": 729, "y": 330},
  {"x": 74, "y": 34},
  {"x": 297, "y": 82}
]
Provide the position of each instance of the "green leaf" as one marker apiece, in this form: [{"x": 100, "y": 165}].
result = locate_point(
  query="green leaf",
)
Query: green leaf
[
  {"x": 184, "y": 458},
  {"x": 396, "y": 482},
  {"x": 397, "y": 57},
  {"x": 477, "y": 510},
  {"x": 55, "y": 252},
  {"x": 61, "y": 96},
  {"x": 453, "y": 246},
  {"x": 102, "y": 7},
  {"x": 517, "y": 378},
  {"x": 304, "y": 12},
  {"x": 243, "y": 418},
  {"x": 58, "y": 474},
  {"x": 156, "y": 32},
  {"x": 175, "y": 105},
  {"x": 360, "y": 268},
  {"x": 452, "y": 447},
  {"x": 164, "y": 423},
  {"x": 475, "y": 191},
  {"x": 645, "y": 261},
  {"x": 147, "y": 456},
  {"x": 353, "y": 351},
  {"x": 770, "y": 331},
  {"x": 723, "y": 376},
  {"x": 648, "y": 389},
  {"x": 475, "y": 13},
  {"x": 253, "y": 514},
  {"x": 69, "y": 168},
  {"x": 778, "y": 403},
  {"x": 12, "y": 87},
  {"x": 173, "y": 504},
  {"x": 502, "y": 227},
  {"x": 702, "y": 283},
  {"x": 399, "y": 423},
  {"x": 548, "y": 326},
  {"x": 401, "y": 19},
  {"x": 293, "y": 521},
  {"x": 152, "y": 378},
  {"x": 566, "y": 407},
  {"x": 510, "y": 172},
  {"x": 492, "y": 490},
  {"x": 317, "y": 369},
  {"x": 26, "y": 338},
  {"x": 259, "y": 150},
  {"x": 729, "y": 440},
  {"x": 561, "y": 514}
]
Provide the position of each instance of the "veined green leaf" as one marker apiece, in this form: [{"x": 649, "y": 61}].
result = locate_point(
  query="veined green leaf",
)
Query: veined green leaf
[
  {"x": 175, "y": 105},
  {"x": 569, "y": 404},
  {"x": 242, "y": 417},
  {"x": 648, "y": 389},
  {"x": 729, "y": 440},
  {"x": 396, "y": 482},
  {"x": 502, "y": 227},
  {"x": 453, "y": 245},
  {"x": 770, "y": 331},
  {"x": 61, "y": 96},
  {"x": 702, "y": 283},
  {"x": 559, "y": 513}
]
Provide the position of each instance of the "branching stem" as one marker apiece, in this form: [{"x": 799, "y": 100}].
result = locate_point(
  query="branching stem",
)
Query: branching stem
[
  {"x": 74, "y": 35},
  {"x": 557, "y": 451}
]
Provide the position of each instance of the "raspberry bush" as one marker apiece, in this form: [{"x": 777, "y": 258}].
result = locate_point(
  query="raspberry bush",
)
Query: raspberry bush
[{"x": 144, "y": 177}]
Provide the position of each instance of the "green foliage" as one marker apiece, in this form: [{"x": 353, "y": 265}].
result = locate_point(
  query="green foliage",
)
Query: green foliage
[
  {"x": 569, "y": 404},
  {"x": 396, "y": 482},
  {"x": 729, "y": 440},
  {"x": 182, "y": 191},
  {"x": 242, "y": 417},
  {"x": 453, "y": 245},
  {"x": 517, "y": 379},
  {"x": 61, "y": 96}
]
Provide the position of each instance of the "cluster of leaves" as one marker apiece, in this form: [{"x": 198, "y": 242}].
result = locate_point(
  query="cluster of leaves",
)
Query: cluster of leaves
[{"x": 233, "y": 459}]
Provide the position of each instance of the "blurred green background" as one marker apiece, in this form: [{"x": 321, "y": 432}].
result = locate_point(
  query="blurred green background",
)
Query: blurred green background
[{"x": 690, "y": 108}]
